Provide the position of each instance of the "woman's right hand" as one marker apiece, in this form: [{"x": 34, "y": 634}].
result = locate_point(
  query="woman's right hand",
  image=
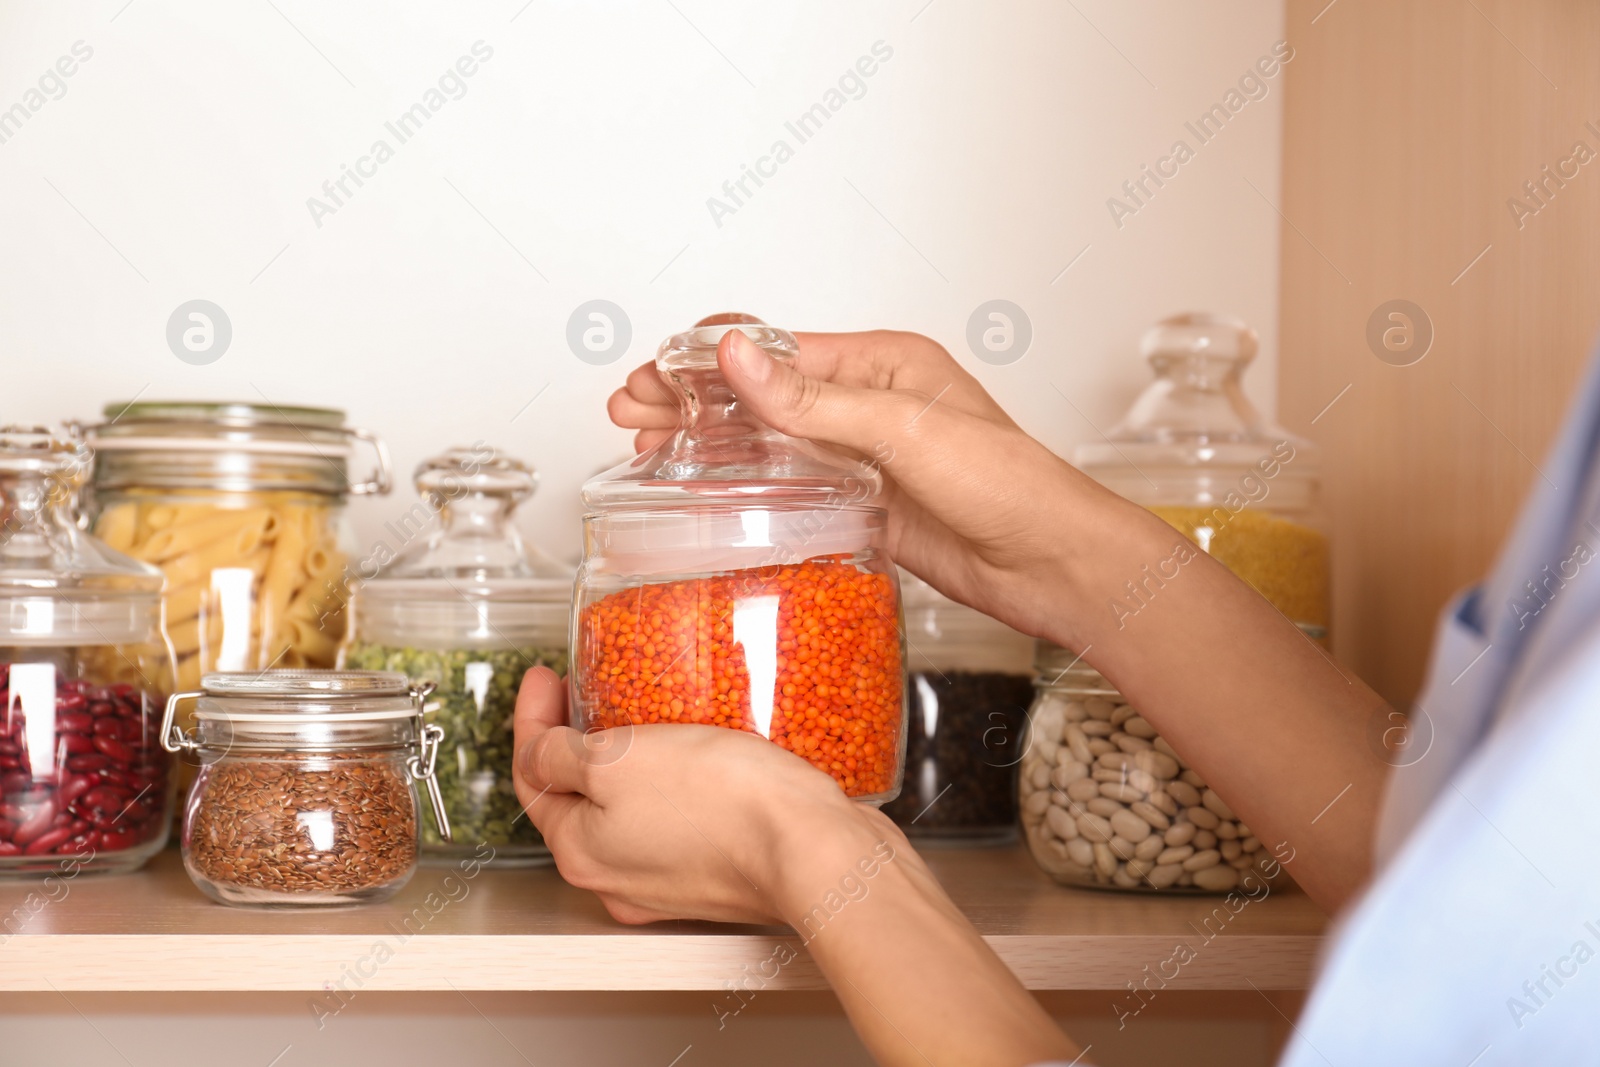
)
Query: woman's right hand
[{"x": 999, "y": 544}]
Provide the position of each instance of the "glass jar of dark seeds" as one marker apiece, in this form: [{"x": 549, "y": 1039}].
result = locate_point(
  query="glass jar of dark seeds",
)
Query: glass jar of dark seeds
[
  {"x": 968, "y": 687},
  {"x": 306, "y": 793}
]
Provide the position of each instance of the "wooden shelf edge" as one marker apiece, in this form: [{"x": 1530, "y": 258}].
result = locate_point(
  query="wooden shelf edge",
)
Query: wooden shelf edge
[{"x": 317, "y": 963}]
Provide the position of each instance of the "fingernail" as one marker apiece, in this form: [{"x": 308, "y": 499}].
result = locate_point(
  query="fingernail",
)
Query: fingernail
[
  {"x": 751, "y": 361},
  {"x": 525, "y": 761}
]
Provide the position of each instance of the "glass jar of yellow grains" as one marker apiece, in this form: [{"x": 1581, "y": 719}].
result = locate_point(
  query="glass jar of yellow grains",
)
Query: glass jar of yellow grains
[
  {"x": 1194, "y": 450},
  {"x": 242, "y": 507}
]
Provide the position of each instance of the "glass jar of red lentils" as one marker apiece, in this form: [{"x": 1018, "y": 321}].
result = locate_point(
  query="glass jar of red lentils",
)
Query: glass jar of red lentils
[{"x": 736, "y": 577}]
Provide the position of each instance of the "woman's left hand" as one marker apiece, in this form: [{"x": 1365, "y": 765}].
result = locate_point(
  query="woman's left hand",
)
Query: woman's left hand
[{"x": 674, "y": 821}]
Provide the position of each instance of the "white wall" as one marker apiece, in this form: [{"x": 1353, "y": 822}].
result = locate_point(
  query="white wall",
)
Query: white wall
[{"x": 179, "y": 161}]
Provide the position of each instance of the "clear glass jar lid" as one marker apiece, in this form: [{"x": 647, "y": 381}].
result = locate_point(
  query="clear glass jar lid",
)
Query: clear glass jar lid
[
  {"x": 59, "y": 585},
  {"x": 293, "y": 684},
  {"x": 726, "y": 490},
  {"x": 231, "y": 446},
  {"x": 1194, "y": 421},
  {"x": 470, "y": 581}
]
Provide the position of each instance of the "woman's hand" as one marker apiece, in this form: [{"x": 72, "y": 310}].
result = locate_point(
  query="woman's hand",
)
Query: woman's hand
[
  {"x": 675, "y": 821},
  {"x": 976, "y": 506}
]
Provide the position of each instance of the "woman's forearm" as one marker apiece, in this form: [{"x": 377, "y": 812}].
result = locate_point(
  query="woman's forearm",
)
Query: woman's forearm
[
  {"x": 920, "y": 985},
  {"x": 1260, "y": 711}
]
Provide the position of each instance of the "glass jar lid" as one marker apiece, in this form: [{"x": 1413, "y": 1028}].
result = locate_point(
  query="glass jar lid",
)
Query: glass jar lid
[
  {"x": 230, "y": 446},
  {"x": 1055, "y": 665},
  {"x": 60, "y": 586},
  {"x": 726, "y": 490},
  {"x": 1192, "y": 432},
  {"x": 470, "y": 582},
  {"x": 295, "y": 684}
]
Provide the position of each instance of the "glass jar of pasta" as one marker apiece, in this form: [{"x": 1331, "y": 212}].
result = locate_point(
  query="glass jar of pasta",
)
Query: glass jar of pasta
[
  {"x": 1193, "y": 450},
  {"x": 84, "y": 782},
  {"x": 469, "y": 609},
  {"x": 736, "y": 577},
  {"x": 241, "y": 506}
]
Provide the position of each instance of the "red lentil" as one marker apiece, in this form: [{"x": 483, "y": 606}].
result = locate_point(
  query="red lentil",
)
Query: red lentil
[{"x": 666, "y": 652}]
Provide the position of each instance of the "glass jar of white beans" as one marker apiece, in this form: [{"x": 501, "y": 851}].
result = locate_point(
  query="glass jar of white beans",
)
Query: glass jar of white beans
[{"x": 1107, "y": 803}]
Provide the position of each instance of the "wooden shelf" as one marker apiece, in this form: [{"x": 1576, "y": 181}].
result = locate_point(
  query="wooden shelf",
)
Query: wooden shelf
[{"x": 528, "y": 930}]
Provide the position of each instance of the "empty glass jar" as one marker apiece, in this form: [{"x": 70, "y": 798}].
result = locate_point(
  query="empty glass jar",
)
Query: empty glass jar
[
  {"x": 469, "y": 609},
  {"x": 305, "y": 795},
  {"x": 736, "y": 577},
  {"x": 969, "y": 683}
]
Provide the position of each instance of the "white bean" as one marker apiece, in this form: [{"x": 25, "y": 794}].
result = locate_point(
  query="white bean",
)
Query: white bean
[
  {"x": 1035, "y": 804},
  {"x": 1095, "y": 728},
  {"x": 1175, "y": 855},
  {"x": 1123, "y": 880},
  {"x": 1104, "y": 806},
  {"x": 1099, "y": 745},
  {"x": 1080, "y": 852},
  {"x": 1039, "y": 776},
  {"x": 1194, "y": 779},
  {"x": 1083, "y": 789},
  {"x": 1231, "y": 850},
  {"x": 1162, "y": 800},
  {"x": 1210, "y": 799},
  {"x": 1180, "y": 834},
  {"x": 1104, "y": 861},
  {"x": 1127, "y": 794},
  {"x": 1130, "y": 826},
  {"x": 1165, "y": 876},
  {"x": 1061, "y": 824},
  {"x": 1201, "y": 860},
  {"x": 1184, "y": 793},
  {"x": 1129, "y": 743},
  {"x": 1094, "y": 827},
  {"x": 1049, "y": 719},
  {"x": 1150, "y": 814},
  {"x": 1121, "y": 848},
  {"x": 1227, "y": 831},
  {"x": 1150, "y": 847},
  {"x": 1202, "y": 817},
  {"x": 1159, "y": 764},
  {"x": 1136, "y": 726},
  {"x": 1138, "y": 868},
  {"x": 1046, "y": 749},
  {"x": 1122, "y": 714},
  {"x": 1217, "y": 879},
  {"x": 1204, "y": 839},
  {"x": 1099, "y": 708},
  {"x": 1162, "y": 746}
]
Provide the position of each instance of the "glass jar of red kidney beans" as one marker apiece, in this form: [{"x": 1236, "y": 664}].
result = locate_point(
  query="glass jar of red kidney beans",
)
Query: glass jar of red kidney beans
[{"x": 84, "y": 668}]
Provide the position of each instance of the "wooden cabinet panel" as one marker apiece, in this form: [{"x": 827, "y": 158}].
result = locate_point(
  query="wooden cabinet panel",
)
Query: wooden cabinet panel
[{"x": 1409, "y": 130}]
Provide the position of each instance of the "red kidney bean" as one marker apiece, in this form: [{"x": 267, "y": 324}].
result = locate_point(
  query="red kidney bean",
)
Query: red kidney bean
[
  {"x": 78, "y": 722},
  {"x": 113, "y": 840},
  {"x": 7, "y": 848},
  {"x": 92, "y": 762},
  {"x": 112, "y": 776},
  {"x": 88, "y": 841},
  {"x": 107, "y": 798},
  {"x": 71, "y": 700},
  {"x": 10, "y": 748},
  {"x": 114, "y": 749},
  {"x": 73, "y": 787},
  {"x": 37, "y": 823},
  {"x": 112, "y": 727},
  {"x": 77, "y": 744},
  {"x": 100, "y": 708},
  {"x": 47, "y": 842},
  {"x": 16, "y": 782},
  {"x": 9, "y": 763},
  {"x": 63, "y": 818},
  {"x": 7, "y": 828}
]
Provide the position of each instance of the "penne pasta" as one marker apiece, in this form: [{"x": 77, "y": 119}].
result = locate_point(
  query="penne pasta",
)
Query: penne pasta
[
  {"x": 312, "y": 642},
  {"x": 119, "y": 526},
  {"x": 247, "y": 529}
]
